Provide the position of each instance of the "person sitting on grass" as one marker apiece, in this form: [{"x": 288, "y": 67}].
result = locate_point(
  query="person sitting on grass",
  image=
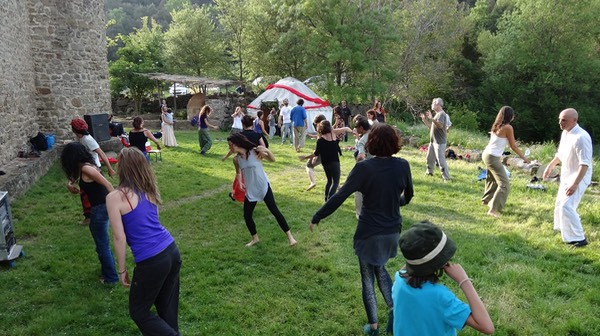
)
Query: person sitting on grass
[
  {"x": 256, "y": 183},
  {"x": 423, "y": 306}
]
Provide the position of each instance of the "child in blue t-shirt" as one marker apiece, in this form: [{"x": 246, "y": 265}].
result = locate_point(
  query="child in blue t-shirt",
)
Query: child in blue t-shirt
[{"x": 423, "y": 306}]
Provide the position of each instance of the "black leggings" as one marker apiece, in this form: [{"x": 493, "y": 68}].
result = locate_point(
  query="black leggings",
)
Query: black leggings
[
  {"x": 270, "y": 202},
  {"x": 332, "y": 171},
  {"x": 368, "y": 273}
]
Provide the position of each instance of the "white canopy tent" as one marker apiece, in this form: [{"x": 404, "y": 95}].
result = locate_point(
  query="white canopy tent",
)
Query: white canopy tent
[{"x": 293, "y": 89}]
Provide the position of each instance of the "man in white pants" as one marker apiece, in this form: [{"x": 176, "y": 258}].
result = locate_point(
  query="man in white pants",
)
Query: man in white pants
[
  {"x": 575, "y": 154},
  {"x": 438, "y": 126}
]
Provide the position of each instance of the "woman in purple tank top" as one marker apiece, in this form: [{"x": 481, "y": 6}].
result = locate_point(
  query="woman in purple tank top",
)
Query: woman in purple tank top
[{"x": 133, "y": 214}]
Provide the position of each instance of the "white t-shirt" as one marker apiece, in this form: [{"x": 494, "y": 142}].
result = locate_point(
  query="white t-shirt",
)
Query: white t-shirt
[
  {"x": 237, "y": 122},
  {"x": 90, "y": 143},
  {"x": 286, "y": 112},
  {"x": 575, "y": 149}
]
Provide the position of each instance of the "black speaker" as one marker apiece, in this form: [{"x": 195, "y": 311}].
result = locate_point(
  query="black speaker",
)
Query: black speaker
[{"x": 98, "y": 126}]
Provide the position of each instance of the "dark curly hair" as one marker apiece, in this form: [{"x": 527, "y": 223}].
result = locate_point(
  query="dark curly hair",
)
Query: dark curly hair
[{"x": 73, "y": 157}]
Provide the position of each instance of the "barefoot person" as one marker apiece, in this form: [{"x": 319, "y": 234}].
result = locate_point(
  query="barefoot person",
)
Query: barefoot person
[
  {"x": 133, "y": 213},
  {"x": 256, "y": 183},
  {"x": 497, "y": 184}
]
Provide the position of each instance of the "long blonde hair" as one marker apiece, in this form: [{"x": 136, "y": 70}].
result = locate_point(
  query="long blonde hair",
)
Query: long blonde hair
[{"x": 135, "y": 174}]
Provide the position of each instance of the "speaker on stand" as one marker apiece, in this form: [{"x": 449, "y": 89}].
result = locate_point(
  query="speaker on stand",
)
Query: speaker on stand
[{"x": 98, "y": 126}]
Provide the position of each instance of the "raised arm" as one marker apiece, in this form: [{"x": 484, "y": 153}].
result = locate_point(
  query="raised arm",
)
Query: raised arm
[
  {"x": 341, "y": 130},
  {"x": 480, "y": 318},
  {"x": 264, "y": 153}
]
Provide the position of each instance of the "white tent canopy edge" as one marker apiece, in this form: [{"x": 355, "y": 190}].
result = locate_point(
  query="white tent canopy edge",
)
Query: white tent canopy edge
[{"x": 293, "y": 89}]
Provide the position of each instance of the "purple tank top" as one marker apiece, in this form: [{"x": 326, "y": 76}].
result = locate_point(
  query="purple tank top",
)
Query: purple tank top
[
  {"x": 145, "y": 235},
  {"x": 257, "y": 127}
]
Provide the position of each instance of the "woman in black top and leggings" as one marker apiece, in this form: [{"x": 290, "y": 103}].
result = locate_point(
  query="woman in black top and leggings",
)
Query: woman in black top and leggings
[
  {"x": 329, "y": 150},
  {"x": 386, "y": 184}
]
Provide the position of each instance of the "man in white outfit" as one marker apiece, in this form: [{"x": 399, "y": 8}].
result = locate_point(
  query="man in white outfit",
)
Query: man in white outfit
[
  {"x": 285, "y": 122},
  {"x": 575, "y": 155},
  {"x": 438, "y": 126}
]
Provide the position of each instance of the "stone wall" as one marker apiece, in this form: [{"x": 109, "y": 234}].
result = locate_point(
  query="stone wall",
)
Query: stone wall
[
  {"x": 53, "y": 67},
  {"x": 17, "y": 81}
]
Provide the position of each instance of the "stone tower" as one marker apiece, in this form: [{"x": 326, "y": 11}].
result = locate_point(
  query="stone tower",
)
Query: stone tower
[{"x": 53, "y": 67}]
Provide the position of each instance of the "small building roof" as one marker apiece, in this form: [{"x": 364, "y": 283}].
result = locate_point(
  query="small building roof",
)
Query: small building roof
[{"x": 194, "y": 80}]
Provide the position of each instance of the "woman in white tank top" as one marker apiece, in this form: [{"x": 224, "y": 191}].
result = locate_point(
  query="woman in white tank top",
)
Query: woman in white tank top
[{"x": 497, "y": 185}]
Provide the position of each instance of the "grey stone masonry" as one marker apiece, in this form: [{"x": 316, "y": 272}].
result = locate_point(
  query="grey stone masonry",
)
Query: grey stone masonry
[{"x": 53, "y": 68}]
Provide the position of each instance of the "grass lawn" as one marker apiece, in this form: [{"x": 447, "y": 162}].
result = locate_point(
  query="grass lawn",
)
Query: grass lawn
[{"x": 531, "y": 282}]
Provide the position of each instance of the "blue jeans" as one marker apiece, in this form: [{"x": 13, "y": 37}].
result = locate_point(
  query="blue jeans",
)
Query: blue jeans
[
  {"x": 99, "y": 230},
  {"x": 286, "y": 131}
]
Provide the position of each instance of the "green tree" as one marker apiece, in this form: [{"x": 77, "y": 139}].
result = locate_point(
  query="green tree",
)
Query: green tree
[
  {"x": 275, "y": 40},
  {"x": 430, "y": 35},
  {"x": 233, "y": 16},
  {"x": 192, "y": 43},
  {"x": 141, "y": 53},
  {"x": 347, "y": 44},
  {"x": 540, "y": 61}
]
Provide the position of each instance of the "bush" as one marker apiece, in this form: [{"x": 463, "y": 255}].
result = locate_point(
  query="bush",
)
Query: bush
[{"x": 462, "y": 117}]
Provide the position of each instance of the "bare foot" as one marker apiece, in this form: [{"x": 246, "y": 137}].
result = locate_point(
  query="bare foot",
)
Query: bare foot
[
  {"x": 290, "y": 238},
  {"x": 253, "y": 242},
  {"x": 311, "y": 186},
  {"x": 493, "y": 213}
]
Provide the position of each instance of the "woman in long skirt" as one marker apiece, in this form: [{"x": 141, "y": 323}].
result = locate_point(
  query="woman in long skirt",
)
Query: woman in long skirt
[{"x": 168, "y": 131}]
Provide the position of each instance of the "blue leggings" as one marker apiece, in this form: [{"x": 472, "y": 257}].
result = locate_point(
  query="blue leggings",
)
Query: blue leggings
[{"x": 368, "y": 273}]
